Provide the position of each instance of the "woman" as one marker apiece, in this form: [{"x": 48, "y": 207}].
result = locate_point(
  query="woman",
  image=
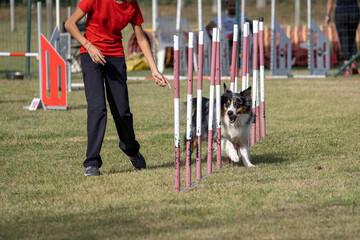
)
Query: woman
[
  {"x": 102, "y": 60},
  {"x": 346, "y": 20}
]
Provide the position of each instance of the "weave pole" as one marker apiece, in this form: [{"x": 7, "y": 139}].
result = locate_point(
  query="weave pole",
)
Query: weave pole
[
  {"x": 211, "y": 99},
  {"x": 254, "y": 126},
  {"x": 234, "y": 58},
  {"x": 234, "y": 69},
  {"x": 245, "y": 56},
  {"x": 262, "y": 77},
  {"x": 256, "y": 70},
  {"x": 177, "y": 113},
  {"x": 199, "y": 105},
  {"x": 189, "y": 109},
  {"x": 218, "y": 102},
  {"x": 248, "y": 56}
]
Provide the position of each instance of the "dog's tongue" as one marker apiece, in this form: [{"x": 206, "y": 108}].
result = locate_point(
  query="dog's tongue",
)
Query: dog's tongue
[{"x": 232, "y": 118}]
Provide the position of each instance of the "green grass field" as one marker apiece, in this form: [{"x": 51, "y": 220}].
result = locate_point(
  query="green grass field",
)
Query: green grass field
[{"x": 306, "y": 183}]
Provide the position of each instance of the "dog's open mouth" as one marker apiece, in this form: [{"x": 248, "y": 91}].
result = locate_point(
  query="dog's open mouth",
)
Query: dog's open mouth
[{"x": 232, "y": 118}]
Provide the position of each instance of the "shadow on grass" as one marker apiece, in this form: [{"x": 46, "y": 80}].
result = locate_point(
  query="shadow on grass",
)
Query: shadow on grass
[
  {"x": 82, "y": 106},
  {"x": 131, "y": 169},
  {"x": 15, "y": 101},
  {"x": 255, "y": 159},
  {"x": 267, "y": 159}
]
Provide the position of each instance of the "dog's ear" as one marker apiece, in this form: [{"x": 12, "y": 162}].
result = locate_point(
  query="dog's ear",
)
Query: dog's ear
[
  {"x": 247, "y": 92},
  {"x": 226, "y": 90}
]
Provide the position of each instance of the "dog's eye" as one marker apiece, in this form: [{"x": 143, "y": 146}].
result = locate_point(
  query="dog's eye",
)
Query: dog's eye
[
  {"x": 239, "y": 100},
  {"x": 238, "y": 103},
  {"x": 228, "y": 102}
]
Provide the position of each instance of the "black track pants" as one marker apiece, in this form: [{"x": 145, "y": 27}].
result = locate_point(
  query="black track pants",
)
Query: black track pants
[{"x": 114, "y": 75}]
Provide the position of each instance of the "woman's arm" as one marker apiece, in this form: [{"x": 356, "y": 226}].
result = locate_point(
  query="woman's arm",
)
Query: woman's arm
[
  {"x": 72, "y": 28},
  {"x": 329, "y": 4},
  {"x": 145, "y": 48}
]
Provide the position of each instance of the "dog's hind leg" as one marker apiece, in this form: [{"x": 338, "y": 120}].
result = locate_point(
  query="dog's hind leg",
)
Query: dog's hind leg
[{"x": 244, "y": 151}]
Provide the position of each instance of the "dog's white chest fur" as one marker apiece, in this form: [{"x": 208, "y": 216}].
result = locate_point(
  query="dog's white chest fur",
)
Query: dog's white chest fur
[{"x": 237, "y": 132}]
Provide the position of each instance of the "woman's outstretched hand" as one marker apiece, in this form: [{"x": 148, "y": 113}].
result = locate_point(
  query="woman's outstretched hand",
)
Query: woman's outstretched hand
[{"x": 160, "y": 79}]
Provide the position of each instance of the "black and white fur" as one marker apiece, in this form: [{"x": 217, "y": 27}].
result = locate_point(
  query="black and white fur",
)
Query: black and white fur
[{"x": 236, "y": 115}]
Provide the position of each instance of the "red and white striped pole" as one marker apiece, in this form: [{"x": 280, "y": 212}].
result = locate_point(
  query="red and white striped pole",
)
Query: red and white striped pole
[
  {"x": 189, "y": 109},
  {"x": 248, "y": 56},
  {"x": 199, "y": 104},
  {"x": 234, "y": 59},
  {"x": 177, "y": 113},
  {"x": 211, "y": 100},
  {"x": 262, "y": 77},
  {"x": 218, "y": 102},
  {"x": 245, "y": 56},
  {"x": 234, "y": 69},
  {"x": 254, "y": 129},
  {"x": 236, "y": 72},
  {"x": 256, "y": 76},
  {"x": 10, "y": 54}
]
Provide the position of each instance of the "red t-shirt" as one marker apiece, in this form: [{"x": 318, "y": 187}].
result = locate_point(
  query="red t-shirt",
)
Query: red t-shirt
[{"x": 105, "y": 20}]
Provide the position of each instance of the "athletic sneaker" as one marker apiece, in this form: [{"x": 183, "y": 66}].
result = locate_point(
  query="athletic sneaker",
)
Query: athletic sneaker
[
  {"x": 92, "y": 171},
  {"x": 346, "y": 72},
  {"x": 138, "y": 161},
  {"x": 354, "y": 69}
]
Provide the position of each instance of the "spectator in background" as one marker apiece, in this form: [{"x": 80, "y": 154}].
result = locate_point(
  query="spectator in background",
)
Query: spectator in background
[
  {"x": 346, "y": 20},
  {"x": 228, "y": 20}
]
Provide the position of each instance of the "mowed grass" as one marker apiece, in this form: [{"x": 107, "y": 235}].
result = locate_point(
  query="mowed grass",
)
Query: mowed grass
[{"x": 306, "y": 183}]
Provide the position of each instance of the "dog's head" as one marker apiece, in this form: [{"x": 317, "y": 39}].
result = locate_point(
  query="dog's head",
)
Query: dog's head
[{"x": 234, "y": 104}]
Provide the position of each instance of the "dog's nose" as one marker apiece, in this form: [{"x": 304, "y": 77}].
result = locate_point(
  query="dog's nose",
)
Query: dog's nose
[{"x": 230, "y": 113}]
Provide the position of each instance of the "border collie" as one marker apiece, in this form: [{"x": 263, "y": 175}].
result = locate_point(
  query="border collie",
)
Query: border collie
[{"x": 236, "y": 116}]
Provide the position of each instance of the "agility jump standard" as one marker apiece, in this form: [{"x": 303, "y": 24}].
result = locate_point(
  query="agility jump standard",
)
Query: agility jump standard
[
  {"x": 51, "y": 66},
  {"x": 215, "y": 77}
]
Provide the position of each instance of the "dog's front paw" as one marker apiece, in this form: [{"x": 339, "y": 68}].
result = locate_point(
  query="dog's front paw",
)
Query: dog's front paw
[
  {"x": 234, "y": 157},
  {"x": 249, "y": 165}
]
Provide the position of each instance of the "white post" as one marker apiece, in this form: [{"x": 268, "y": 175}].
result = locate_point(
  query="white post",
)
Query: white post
[
  {"x": 297, "y": 13},
  {"x": 178, "y": 16},
  {"x": 310, "y": 39},
  {"x": 49, "y": 18},
  {"x": 219, "y": 14},
  {"x": 200, "y": 15},
  {"x": 58, "y": 14},
  {"x": 242, "y": 28},
  {"x": 242, "y": 15},
  {"x": 154, "y": 26},
  {"x": 39, "y": 46},
  {"x": 273, "y": 38},
  {"x": 12, "y": 15}
]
